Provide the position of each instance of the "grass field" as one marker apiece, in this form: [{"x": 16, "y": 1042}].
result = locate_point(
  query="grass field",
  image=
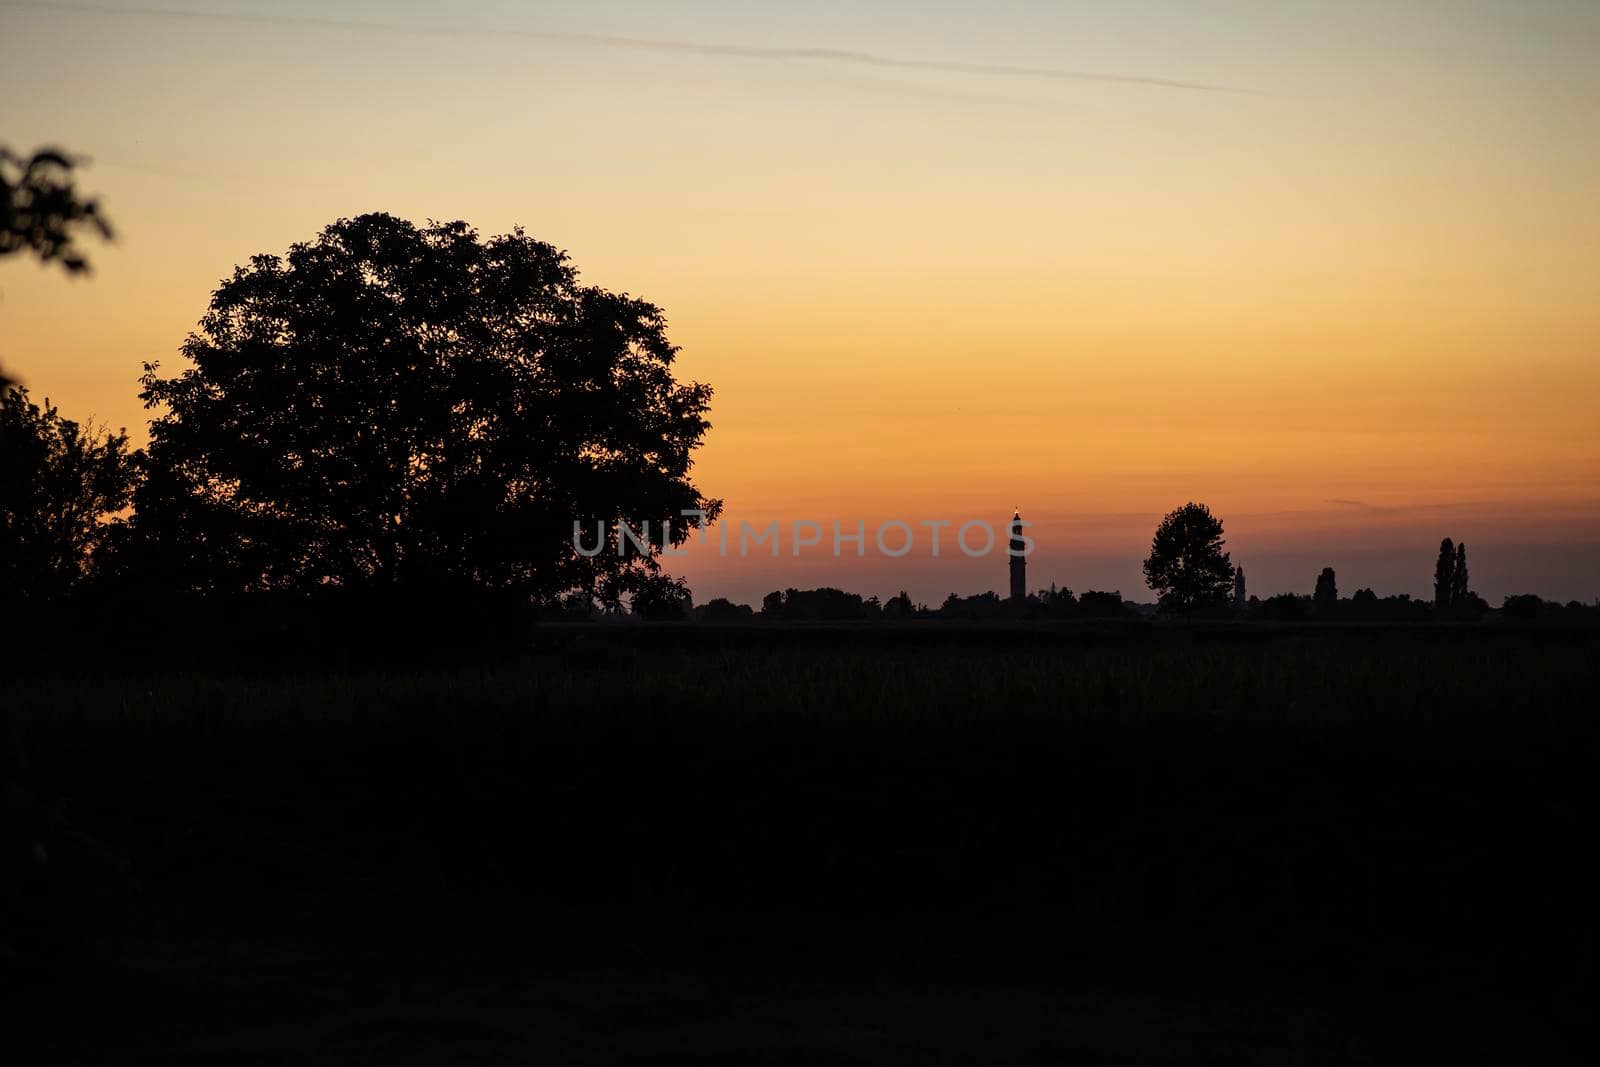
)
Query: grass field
[{"x": 1405, "y": 812}]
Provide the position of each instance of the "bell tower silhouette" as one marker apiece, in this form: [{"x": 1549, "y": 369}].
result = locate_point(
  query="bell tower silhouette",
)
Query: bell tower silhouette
[{"x": 1019, "y": 563}]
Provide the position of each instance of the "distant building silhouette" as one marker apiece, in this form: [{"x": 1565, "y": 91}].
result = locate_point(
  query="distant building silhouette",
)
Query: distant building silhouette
[{"x": 1019, "y": 563}]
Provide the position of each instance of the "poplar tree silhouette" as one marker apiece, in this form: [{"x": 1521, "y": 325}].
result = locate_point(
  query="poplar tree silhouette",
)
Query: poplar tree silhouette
[
  {"x": 1444, "y": 575},
  {"x": 1326, "y": 597},
  {"x": 1458, "y": 578}
]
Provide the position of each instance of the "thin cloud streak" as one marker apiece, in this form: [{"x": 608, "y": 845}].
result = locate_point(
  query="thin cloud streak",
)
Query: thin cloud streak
[{"x": 750, "y": 52}]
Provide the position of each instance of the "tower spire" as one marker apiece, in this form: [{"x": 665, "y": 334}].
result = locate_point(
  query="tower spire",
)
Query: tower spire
[{"x": 1019, "y": 563}]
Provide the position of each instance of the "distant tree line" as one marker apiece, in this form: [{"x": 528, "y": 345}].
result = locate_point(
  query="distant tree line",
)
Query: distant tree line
[
  {"x": 836, "y": 605},
  {"x": 829, "y": 604},
  {"x": 1190, "y": 542}
]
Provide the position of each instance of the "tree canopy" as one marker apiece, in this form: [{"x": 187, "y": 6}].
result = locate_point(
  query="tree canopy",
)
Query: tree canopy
[
  {"x": 1187, "y": 566},
  {"x": 395, "y": 405},
  {"x": 60, "y": 484},
  {"x": 41, "y": 210}
]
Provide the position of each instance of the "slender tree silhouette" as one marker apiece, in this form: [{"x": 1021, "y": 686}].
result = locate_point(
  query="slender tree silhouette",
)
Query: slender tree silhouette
[
  {"x": 1444, "y": 575},
  {"x": 1326, "y": 597}
]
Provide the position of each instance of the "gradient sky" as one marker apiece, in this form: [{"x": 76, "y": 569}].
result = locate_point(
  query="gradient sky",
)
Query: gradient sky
[{"x": 1332, "y": 268}]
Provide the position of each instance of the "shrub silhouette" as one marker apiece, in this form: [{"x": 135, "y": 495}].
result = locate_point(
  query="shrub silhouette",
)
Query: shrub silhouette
[
  {"x": 1525, "y": 606},
  {"x": 1094, "y": 604},
  {"x": 1285, "y": 607},
  {"x": 722, "y": 609}
]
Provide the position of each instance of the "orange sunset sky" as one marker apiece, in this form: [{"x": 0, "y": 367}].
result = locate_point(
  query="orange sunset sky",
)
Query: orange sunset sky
[{"x": 1332, "y": 268}]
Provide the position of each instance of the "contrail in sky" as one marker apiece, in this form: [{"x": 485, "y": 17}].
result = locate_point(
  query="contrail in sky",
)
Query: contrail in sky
[{"x": 754, "y": 52}]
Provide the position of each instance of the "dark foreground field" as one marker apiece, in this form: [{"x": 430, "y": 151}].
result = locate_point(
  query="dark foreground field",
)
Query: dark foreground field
[{"x": 810, "y": 846}]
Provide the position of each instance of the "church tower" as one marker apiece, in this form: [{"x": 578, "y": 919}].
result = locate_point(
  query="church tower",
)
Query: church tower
[{"x": 1019, "y": 563}]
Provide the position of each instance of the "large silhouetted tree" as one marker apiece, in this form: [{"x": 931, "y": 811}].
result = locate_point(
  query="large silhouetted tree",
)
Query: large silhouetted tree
[
  {"x": 60, "y": 486},
  {"x": 1187, "y": 566},
  {"x": 393, "y": 405}
]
